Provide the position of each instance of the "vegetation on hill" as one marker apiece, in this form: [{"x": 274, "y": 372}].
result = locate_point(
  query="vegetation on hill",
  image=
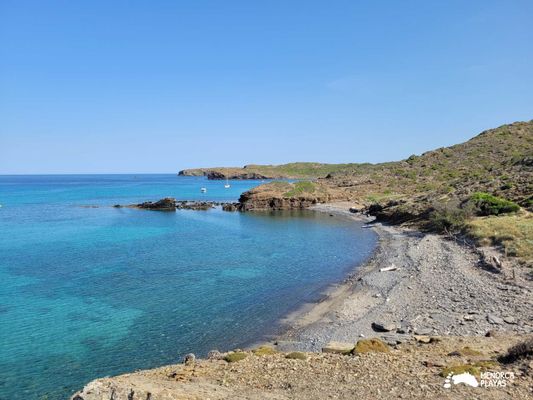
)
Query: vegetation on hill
[
  {"x": 472, "y": 188},
  {"x": 498, "y": 162},
  {"x": 297, "y": 170}
]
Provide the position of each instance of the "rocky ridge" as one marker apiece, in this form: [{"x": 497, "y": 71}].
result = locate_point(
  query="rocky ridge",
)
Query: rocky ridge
[{"x": 412, "y": 370}]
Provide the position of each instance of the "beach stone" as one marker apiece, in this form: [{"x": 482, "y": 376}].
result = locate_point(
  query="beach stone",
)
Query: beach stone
[
  {"x": 423, "y": 331},
  {"x": 338, "y": 347},
  {"x": 381, "y": 326},
  {"x": 422, "y": 339},
  {"x": 510, "y": 320},
  {"x": 494, "y": 319},
  {"x": 189, "y": 359}
]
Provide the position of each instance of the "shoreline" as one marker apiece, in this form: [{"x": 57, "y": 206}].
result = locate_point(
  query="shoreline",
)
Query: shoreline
[{"x": 437, "y": 289}]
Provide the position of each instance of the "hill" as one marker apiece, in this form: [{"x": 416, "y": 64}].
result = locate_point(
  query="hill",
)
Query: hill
[
  {"x": 463, "y": 189},
  {"x": 297, "y": 170}
]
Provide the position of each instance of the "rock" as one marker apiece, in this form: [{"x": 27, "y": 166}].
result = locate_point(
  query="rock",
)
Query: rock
[
  {"x": 354, "y": 210},
  {"x": 230, "y": 207},
  {"x": 117, "y": 206},
  {"x": 423, "y": 331},
  {"x": 510, "y": 320},
  {"x": 494, "y": 319},
  {"x": 468, "y": 318},
  {"x": 392, "y": 340},
  {"x": 288, "y": 196},
  {"x": 422, "y": 339},
  {"x": 166, "y": 204},
  {"x": 215, "y": 355},
  {"x": 381, "y": 326},
  {"x": 338, "y": 347},
  {"x": 189, "y": 359},
  {"x": 434, "y": 363},
  {"x": 195, "y": 205}
]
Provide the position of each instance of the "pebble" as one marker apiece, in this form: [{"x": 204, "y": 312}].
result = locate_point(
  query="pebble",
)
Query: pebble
[{"x": 494, "y": 319}]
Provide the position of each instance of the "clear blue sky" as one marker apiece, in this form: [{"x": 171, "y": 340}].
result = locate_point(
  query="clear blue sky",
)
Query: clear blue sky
[{"x": 156, "y": 86}]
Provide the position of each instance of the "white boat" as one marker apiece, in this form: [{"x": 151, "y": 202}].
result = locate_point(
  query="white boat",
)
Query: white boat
[
  {"x": 203, "y": 190},
  {"x": 227, "y": 185}
]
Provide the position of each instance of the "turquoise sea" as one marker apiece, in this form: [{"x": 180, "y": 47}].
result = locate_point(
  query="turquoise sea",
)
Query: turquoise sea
[{"x": 90, "y": 291}]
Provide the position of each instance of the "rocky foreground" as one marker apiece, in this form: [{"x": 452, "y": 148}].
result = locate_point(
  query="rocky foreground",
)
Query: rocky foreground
[{"x": 412, "y": 370}]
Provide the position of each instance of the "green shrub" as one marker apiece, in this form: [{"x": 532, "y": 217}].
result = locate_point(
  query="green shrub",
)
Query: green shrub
[
  {"x": 299, "y": 188},
  {"x": 296, "y": 355},
  {"x": 234, "y": 357},
  {"x": 264, "y": 351},
  {"x": 487, "y": 204},
  {"x": 370, "y": 346},
  {"x": 448, "y": 217}
]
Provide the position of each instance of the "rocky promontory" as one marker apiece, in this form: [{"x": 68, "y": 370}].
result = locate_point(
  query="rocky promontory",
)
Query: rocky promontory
[
  {"x": 297, "y": 170},
  {"x": 288, "y": 196}
]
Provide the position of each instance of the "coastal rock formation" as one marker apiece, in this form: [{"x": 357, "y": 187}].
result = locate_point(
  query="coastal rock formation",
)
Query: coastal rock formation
[
  {"x": 196, "y": 205},
  {"x": 230, "y": 206},
  {"x": 166, "y": 204},
  {"x": 297, "y": 170},
  {"x": 412, "y": 370},
  {"x": 287, "y": 196},
  {"x": 230, "y": 173},
  {"x": 218, "y": 175},
  {"x": 170, "y": 204}
]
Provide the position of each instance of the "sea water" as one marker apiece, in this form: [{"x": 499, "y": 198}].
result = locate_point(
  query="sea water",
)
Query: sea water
[{"x": 88, "y": 290}]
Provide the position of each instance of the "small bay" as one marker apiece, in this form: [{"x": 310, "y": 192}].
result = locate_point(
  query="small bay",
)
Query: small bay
[{"x": 88, "y": 290}]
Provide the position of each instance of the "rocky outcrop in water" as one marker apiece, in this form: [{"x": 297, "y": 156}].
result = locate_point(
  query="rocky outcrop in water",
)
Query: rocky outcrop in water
[
  {"x": 196, "y": 205},
  {"x": 166, "y": 204},
  {"x": 170, "y": 204}
]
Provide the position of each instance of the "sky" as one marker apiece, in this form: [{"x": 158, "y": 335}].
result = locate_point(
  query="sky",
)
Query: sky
[{"x": 158, "y": 86}]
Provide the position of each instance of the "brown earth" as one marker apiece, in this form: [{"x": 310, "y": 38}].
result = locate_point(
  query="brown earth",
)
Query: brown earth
[{"x": 411, "y": 370}]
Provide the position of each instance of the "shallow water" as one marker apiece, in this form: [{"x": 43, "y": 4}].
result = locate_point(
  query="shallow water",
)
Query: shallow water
[{"x": 89, "y": 292}]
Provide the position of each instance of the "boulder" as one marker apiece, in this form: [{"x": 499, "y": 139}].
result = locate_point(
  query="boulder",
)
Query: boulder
[
  {"x": 494, "y": 319},
  {"x": 338, "y": 347},
  {"x": 189, "y": 359},
  {"x": 381, "y": 326}
]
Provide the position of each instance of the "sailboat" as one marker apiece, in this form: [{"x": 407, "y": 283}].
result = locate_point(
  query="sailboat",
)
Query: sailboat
[{"x": 227, "y": 185}]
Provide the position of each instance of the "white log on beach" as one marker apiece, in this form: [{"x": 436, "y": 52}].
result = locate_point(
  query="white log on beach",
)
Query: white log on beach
[{"x": 391, "y": 268}]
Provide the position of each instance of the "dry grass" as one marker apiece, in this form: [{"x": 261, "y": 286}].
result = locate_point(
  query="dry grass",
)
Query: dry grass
[{"x": 513, "y": 232}]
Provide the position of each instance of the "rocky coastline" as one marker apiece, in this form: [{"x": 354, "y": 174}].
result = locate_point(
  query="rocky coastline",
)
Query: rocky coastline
[
  {"x": 171, "y": 204},
  {"x": 434, "y": 300},
  {"x": 425, "y": 302}
]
